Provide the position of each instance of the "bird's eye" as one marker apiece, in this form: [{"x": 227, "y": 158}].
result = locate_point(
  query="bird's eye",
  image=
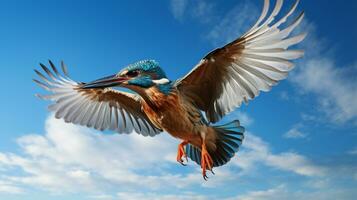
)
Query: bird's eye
[{"x": 132, "y": 73}]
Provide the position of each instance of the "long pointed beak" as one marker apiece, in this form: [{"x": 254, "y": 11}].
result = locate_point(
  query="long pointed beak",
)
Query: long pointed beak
[{"x": 108, "y": 81}]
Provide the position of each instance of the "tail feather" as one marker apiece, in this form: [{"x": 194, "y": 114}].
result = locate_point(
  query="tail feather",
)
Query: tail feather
[
  {"x": 194, "y": 153},
  {"x": 229, "y": 139}
]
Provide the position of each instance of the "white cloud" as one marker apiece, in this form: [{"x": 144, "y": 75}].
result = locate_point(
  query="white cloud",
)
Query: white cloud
[
  {"x": 296, "y": 163},
  {"x": 333, "y": 86},
  {"x": 276, "y": 193},
  {"x": 200, "y": 10},
  {"x": 353, "y": 151},
  {"x": 294, "y": 133},
  {"x": 336, "y": 91},
  {"x": 257, "y": 151},
  {"x": 281, "y": 192},
  {"x": 7, "y": 187},
  {"x": 156, "y": 196},
  {"x": 319, "y": 183},
  {"x": 178, "y": 8},
  {"x": 102, "y": 197},
  {"x": 308, "y": 117},
  {"x": 284, "y": 95},
  {"x": 234, "y": 23},
  {"x": 243, "y": 117},
  {"x": 71, "y": 158}
]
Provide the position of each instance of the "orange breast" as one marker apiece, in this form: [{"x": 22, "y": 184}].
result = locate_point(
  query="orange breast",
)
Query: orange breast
[{"x": 168, "y": 113}]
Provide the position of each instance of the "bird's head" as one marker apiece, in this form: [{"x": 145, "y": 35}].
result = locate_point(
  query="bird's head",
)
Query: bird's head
[{"x": 142, "y": 74}]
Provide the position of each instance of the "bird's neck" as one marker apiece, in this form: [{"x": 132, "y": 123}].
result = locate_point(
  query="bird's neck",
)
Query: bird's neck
[
  {"x": 156, "y": 94},
  {"x": 159, "y": 90},
  {"x": 165, "y": 89}
]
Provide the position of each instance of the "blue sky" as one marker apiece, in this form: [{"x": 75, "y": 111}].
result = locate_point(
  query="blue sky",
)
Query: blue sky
[{"x": 301, "y": 137}]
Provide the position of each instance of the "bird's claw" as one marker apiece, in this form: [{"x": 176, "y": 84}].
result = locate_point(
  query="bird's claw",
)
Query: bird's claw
[
  {"x": 206, "y": 164},
  {"x": 205, "y": 176},
  {"x": 181, "y": 153},
  {"x": 181, "y": 162}
]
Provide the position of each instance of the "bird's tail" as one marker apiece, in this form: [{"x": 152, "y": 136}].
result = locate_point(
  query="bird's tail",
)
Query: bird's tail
[{"x": 229, "y": 139}]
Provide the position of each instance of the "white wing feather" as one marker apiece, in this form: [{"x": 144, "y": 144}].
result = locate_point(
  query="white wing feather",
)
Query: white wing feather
[{"x": 98, "y": 108}]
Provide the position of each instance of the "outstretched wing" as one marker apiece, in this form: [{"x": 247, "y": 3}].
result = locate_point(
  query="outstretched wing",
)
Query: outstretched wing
[
  {"x": 98, "y": 108},
  {"x": 237, "y": 72}
]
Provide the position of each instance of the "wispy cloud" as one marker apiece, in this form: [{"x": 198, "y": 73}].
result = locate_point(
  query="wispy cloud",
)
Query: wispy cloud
[
  {"x": 295, "y": 132},
  {"x": 137, "y": 195},
  {"x": 178, "y": 8},
  {"x": 157, "y": 196},
  {"x": 353, "y": 151},
  {"x": 8, "y": 187},
  {"x": 258, "y": 152},
  {"x": 273, "y": 193},
  {"x": 336, "y": 90},
  {"x": 101, "y": 197},
  {"x": 281, "y": 192},
  {"x": 222, "y": 28},
  {"x": 200, "y": 10},
  {"x": 334, "y": 87},
  {"x": 244, "y": 118},
  {"x": 284, "y": 95},
  {"x": 71, "y": 158},
  {"x": 234, "y": 23}
]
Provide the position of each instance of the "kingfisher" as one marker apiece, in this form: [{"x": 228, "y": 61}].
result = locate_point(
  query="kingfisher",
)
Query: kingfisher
[{"x": 140, "y": 98}]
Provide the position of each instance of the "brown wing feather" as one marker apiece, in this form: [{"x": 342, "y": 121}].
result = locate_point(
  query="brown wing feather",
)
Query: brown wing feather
[{"x": 237, "y": 72}]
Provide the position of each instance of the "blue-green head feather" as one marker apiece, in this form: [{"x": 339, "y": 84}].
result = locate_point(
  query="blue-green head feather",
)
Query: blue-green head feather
[
  {"x": 137, "y": 77},
  {"x": 147, "y": 73}
]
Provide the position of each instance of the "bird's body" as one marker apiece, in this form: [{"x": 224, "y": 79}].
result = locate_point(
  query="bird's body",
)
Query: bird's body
[
  {"x": 185, "y": 108},
  {"x": 169, "y": 113},
  {"x": 175, "y": 115}
]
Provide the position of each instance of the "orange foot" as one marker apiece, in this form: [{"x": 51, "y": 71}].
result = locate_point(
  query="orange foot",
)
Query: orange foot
[
  {"x": 206, "y": 162},
  {"x": 181, "y": 152}
]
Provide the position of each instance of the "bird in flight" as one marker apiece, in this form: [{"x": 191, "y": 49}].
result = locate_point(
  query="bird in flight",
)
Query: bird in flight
[{"x": 185, "y": 108}]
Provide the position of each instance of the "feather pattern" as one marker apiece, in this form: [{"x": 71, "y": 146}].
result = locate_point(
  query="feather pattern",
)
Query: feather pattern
[
  {"x": 237, "y": 72},
  {"x": 98, "y": 108}
]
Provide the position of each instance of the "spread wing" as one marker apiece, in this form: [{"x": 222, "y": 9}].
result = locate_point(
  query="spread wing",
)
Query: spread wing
[
  {"x": 98, "y": 108},
  {"x": 237, "y": 72}
]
